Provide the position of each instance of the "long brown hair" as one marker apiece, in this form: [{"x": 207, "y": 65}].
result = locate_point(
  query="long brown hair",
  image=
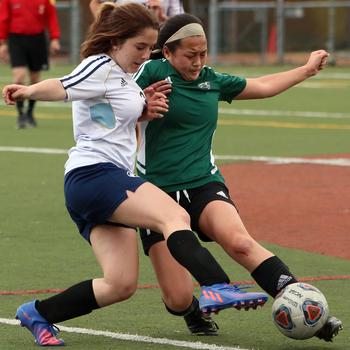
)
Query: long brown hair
[{"x": 114, "y": 25}]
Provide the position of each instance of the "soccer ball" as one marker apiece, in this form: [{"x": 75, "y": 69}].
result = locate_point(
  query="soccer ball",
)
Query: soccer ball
[{"x": 300, "y": 310}]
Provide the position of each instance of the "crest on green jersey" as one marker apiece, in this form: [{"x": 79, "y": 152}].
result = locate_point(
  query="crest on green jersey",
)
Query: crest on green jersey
[{"x": 204, "y": 86}]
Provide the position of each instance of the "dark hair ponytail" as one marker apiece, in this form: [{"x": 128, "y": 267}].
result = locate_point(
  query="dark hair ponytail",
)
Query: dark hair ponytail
[{"x": 171, "y": 26}]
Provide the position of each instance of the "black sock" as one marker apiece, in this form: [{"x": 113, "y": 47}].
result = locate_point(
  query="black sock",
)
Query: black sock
[
  {"x": 31, "y": 105},
  {"x": 75, "y": 301},
  {"x": 19, "y": 106},
  {"x": 192, "y": 308},
  {"x": 272, "y": 275},
  {"x": 186, "y": 249}
]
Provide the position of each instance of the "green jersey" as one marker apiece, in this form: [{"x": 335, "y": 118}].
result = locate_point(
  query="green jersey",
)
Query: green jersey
[{"x": 176, "y": 150}]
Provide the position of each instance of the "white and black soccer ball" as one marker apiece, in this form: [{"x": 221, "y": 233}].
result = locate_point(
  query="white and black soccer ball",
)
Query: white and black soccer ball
[{"x": 300, "y": 310}]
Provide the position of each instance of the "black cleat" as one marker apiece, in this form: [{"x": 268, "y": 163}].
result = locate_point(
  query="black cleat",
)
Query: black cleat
[
  {"x": 200, "y": 324},
  {"x": 21, "y": 121},
  {"x": 330, "y": 329},
  {"x": 30, "y": 120}
]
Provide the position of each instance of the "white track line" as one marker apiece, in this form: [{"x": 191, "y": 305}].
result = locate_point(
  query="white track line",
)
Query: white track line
[
  {"x": 280, "y": 113},
  {"x": 33, "y": 150},
  {"x": 226, "y": 111},
  {"x": 136, "y": 338},
  {"x": 284, "y": 160},
  {"x": 270, "y": 160}
]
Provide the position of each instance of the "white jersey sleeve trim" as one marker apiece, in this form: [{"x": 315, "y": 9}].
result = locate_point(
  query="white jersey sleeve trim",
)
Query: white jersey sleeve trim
[{"x": 83, "y": 72}]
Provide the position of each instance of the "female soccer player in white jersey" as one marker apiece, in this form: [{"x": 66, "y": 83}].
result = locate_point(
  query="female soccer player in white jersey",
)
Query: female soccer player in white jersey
[
  {"x": 103, "y": 196},
  {"x": 176, "y": 156}
]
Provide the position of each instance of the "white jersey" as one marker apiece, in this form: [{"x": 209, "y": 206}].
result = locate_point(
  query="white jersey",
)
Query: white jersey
[{"x": 106, "y": 105}]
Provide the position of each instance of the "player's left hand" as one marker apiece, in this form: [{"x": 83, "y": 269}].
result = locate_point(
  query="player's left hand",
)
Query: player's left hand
[
  {"x": 55, "y": 46},
  {"x": 316, "y": 62}
]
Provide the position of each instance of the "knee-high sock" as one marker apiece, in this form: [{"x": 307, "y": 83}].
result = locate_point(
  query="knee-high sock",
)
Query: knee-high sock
[
  {"x": 75, "y": 301},
  {"x": 186, "y": 249},
  {"x": 272, "y": 275}
]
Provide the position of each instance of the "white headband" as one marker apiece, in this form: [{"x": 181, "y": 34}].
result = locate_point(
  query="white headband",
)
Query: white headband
[{"x": 192, "y": 29}]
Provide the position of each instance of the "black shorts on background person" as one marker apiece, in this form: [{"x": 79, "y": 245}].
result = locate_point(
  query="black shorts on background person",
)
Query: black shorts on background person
[{"x": 24, "y": 43}]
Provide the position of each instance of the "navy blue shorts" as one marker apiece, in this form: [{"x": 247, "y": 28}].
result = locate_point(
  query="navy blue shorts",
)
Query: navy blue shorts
[{"x": 93, "y": 193}]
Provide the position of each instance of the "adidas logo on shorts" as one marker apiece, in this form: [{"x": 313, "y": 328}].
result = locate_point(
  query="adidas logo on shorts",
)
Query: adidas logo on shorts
[{"x": 222, "y": 194}]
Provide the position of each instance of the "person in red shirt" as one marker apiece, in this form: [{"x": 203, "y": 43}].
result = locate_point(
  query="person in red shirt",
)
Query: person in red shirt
[{"x": 23, "y": 43}]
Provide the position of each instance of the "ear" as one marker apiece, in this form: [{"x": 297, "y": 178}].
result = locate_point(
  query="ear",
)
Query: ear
[
  {"x": 166, "y": 52},
  {"x": 115, "y": 45}
]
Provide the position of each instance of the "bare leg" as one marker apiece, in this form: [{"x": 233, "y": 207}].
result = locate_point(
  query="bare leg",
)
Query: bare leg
[
  {"x": 116, "y": 251},
  {"x": 174, "y": 280},
  {"x": 221, "y": 222}
]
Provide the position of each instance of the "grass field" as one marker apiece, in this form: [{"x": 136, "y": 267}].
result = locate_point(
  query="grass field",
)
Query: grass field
[{"x": 40, "y": 248}]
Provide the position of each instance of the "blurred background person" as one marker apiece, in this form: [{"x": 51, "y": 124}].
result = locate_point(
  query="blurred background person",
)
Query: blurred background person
[
  {"x": 163, "y": 9},
  {"x": 23, "y": 43},
  {"x": 95, "y": 4}
]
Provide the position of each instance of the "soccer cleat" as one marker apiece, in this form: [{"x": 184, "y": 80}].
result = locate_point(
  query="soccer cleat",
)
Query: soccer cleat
[
  {"x": 21, "y": 121},
  {"x": 44, "y": 332},
  {"x": 221, "y": 296},
  {"x": 30, "y": 120},
  {"x": 201, "y": 324},
  {"x": 330, "y": 329}
]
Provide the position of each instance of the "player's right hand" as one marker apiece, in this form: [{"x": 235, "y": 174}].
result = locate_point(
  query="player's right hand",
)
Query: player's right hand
[{"x": 14, "y": 92}]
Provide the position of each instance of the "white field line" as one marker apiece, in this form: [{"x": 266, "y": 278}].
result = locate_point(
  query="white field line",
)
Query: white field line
[
  {"x": 283, "y": 160},
  {"x": 269, "y": 160},
  {"x": 136, "y": 337},
  {"x": 277, "y": 113},
  {"x": 227, "y": 111},
  {"x": 33, "y": 150},
  {"x": 250, "y": 112}
]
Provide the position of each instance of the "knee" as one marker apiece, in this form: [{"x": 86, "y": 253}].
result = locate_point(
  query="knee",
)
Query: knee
[
  {"x": 177, "y": 302},
  {"x": 183, "y": 216},
  {"x": 241, "y": 244},
  {"x": 122, "y": 289},
  {"x": 175, "y": 219},
  {"x": 127, "y": 290},
  {"x": 19, "y": 77}
]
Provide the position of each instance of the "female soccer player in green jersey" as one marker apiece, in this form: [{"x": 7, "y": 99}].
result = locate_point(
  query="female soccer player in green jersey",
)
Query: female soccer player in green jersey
[{"x": 176, "y": 156}]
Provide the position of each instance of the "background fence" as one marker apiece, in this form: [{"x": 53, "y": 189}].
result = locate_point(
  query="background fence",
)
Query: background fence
[
  {"x": 252, "y": 32},
  {"x": 275, "y": 28}
]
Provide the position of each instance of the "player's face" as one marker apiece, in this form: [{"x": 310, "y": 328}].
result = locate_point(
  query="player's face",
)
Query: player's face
[
  {"x": 134, "y": 51},
  {"x": 189, "y": 58}
]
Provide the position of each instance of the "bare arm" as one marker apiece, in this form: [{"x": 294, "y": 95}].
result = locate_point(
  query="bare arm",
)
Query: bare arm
[
  {"x": 46, "y": 90},
  {"x": 94, "y": 7},
  {"x": 274, "y": 84}
]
